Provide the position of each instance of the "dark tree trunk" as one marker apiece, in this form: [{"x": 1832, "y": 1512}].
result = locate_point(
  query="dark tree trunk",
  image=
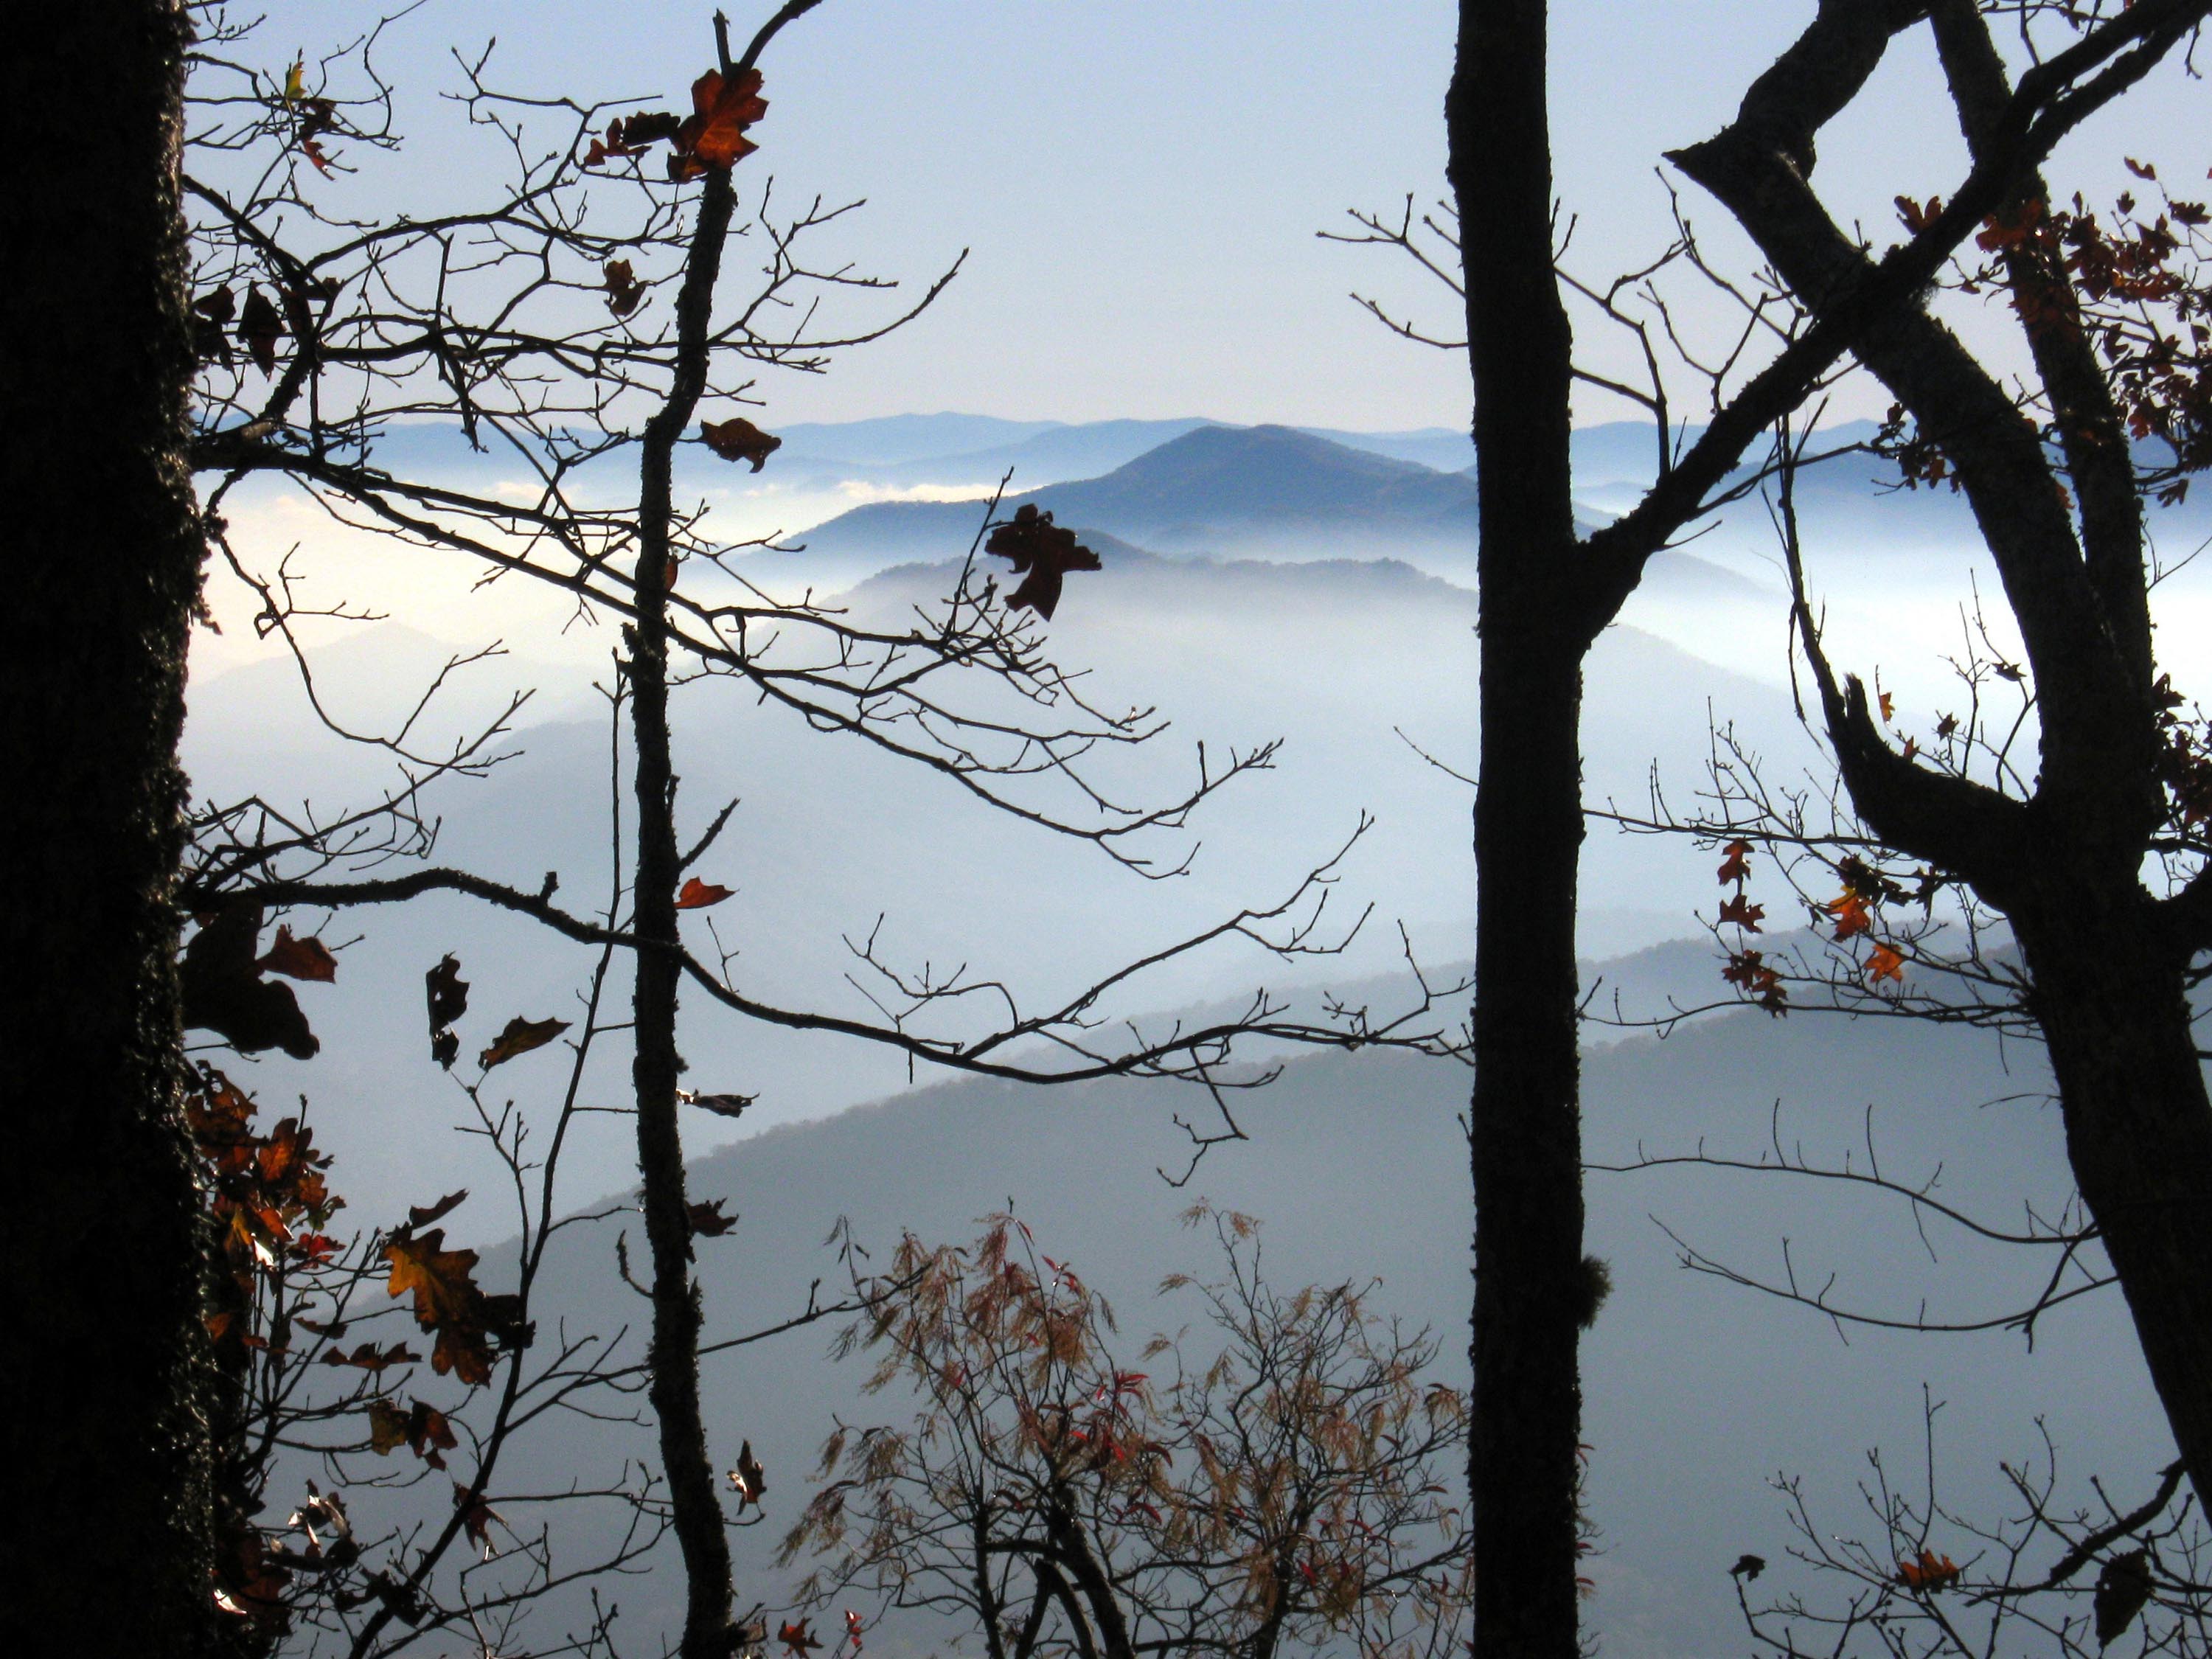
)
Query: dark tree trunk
[
  {"x": 111, "y": 1381},
  {"x": 1526, "y": 1127},
  {"x": 2108, "y": 994},
  {"x": 694, "y": 1501}
]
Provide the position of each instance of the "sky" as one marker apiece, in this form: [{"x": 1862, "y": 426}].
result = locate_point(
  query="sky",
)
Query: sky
[{"x": 1139, "y": 183}]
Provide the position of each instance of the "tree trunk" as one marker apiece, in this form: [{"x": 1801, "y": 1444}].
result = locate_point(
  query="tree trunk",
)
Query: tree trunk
[
  {"x": 694, "y": 1502},
  {"x": 2110, "y": 997},
  {"x": 111, "y": 1462},
  {"x": 1525, "y": 1124}
]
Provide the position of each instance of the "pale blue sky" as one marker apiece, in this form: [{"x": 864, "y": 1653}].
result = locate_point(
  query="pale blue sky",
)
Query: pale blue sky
[{"x": 1140, "y": 180}]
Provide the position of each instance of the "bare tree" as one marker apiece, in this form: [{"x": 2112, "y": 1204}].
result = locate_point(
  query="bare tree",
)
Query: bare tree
[
  {"x": 1547, "y": 591},
  {"x": 1278, "y": 1490},
  {"x": 2060, "y": 815},
  {"x": 580, "y": 323},
  {"x": 1928, "y": 1581}
]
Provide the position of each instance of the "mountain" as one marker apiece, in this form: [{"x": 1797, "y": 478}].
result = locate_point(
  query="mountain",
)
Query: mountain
[
  {"x": 1266, "y": 492},
  {"x": 1220, "y": 490}
]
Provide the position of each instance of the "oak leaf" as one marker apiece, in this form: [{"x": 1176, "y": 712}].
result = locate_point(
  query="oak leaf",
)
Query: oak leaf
[
  {"x": 1852, "y": 915},
  {"x": 1042, "y": 554},
  {"x": 447, "y": 1301},
  {"x": 708, "y": 1220},
  {"x": 1885, "y": 964},
  {"x": 421, "y": 1215},
  {"x": 749, "y": 1480},
  {"x": 520, "y": 1037},
  {"x": 423, "y": 1429},
  {"x": 738, "y": 440},
  {"x": 797, "y": 1639},
  {"x": 476, "y": 1517},
  {"x": 1928, "y": 1572},
  {"x": 259, "y": 328},
  {"x": 223, "y": 991},
  {"x": 697, "y": 895},
  {"x": 624, "y": 289},
  {"x": 1739, "y": 910},
  {"x": 300, "y": 958},
  {"x": 1735, "y": 863},
  {"x": 371, "y": 1358},
  {"x": 714, "y": 135},
  {"x": 448, "y": 992},
  {"x": 720, "y": 1105},
  {"x": 2124, "y": 1586}
]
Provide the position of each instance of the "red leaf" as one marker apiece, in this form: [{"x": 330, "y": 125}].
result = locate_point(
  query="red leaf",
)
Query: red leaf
[
  {"x": 796, "y": 1638},
  {"x": 300, "y": 958},
  {"x": 1743, "y": 913},
  {"x": 1736, "y": 865},
  {"x": 697, "y": 895}
]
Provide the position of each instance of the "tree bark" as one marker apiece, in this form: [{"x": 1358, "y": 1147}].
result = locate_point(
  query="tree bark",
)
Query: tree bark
[
  {"x": 103, "y": 1229},
  {"x": 694, "y": 1502},
  {"x": 1525, "y": 1126},
  {"x": 2110, "y": 997}
]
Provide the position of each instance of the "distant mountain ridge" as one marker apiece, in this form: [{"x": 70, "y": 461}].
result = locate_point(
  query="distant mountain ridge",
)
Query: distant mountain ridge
[{"x": 1265, "y": 492}]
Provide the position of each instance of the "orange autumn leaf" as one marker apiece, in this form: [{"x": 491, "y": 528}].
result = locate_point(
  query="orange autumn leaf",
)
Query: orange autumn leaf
[
  {"x": 520, "y": 1037},
  {"x": 300, "y": 958},
  {"x": 447, "y": 1301},
  {"x": 738, "y": 440},
  {"x": 1928, "y": 1572},
  {"x": 439, "y": 1279},
  {"x": 1852, "y": 913},
  {"x": 1885, "y": 964},
  {"x": 714, "y": 136},
  {"x": 797, "y": 1639},
  {"x": 697, "y": 895}
]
